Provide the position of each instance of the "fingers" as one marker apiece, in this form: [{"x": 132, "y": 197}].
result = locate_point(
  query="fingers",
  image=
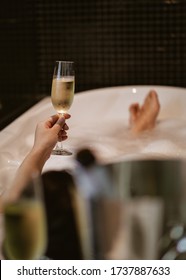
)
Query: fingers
[
  {"x": 66, "y": 116},
  {"x": 65, "y": 127},
  {"x": 62, "y": 124},
  {"x": 57, "y": 123},
  {"x": 62, "y": 135},
  {"x": 61, "y": 121},
  {"x": 53, "y": 119}
]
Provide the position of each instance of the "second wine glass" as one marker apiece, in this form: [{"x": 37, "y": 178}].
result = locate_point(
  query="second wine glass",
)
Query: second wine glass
[
  {"x": 62, "y": 94},
  {"x": 25, "y": 223}
]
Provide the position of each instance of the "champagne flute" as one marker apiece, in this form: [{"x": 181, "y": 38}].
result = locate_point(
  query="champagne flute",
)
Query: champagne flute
[
  {"x": 25, "y": 230},
  {"x": 62, "y": 94}
]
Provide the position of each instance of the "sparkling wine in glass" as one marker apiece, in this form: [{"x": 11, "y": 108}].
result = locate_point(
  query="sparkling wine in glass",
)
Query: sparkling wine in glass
[
  {"x": 62, "y": 94},
  {"x": 25, "y": 224}
]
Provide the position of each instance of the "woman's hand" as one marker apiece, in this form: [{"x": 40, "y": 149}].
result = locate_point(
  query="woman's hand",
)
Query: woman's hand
[
  {"x": 49, "y": 132},
  {"x": 46, "y": 136}
]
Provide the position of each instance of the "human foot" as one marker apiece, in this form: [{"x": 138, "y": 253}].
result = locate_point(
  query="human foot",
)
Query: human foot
[
  {"x": 134, "y": 110},
  {"x": 144, "y": 117}
]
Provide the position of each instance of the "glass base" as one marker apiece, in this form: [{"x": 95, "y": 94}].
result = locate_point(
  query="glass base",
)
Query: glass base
[{"x": 61, "y": 152}]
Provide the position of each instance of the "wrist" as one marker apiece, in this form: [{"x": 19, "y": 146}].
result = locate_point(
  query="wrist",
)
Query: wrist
[{"x": 38, "y": 157}]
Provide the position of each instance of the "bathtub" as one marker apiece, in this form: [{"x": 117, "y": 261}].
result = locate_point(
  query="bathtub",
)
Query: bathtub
[{"x": 99, "y": 121}]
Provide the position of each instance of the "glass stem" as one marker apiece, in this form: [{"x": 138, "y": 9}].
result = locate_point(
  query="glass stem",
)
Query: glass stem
[{"x": 59, "y": 145}]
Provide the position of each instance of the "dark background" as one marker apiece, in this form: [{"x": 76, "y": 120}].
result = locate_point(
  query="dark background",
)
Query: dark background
[{"x": 113, "y": 42}]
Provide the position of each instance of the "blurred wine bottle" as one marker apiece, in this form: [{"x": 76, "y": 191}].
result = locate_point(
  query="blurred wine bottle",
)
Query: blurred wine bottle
[
  {"x": 94, "y": 184},
  {"x": 93, "y": 179}
]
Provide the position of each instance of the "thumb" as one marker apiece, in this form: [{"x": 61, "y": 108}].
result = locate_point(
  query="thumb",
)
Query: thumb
[{"x": 59, "y": 124}]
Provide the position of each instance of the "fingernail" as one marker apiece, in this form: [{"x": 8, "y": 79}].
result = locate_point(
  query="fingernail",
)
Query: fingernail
[
  {"x": 66, "y": 127},
  {"x": 61, "y": 121}
]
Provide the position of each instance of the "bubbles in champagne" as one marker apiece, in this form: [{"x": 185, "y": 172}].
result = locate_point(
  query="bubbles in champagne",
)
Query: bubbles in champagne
[{"x": 62, "y": 93}]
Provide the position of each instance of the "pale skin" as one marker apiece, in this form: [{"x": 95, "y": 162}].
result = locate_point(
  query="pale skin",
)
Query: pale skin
[
  {"x": 46, "y": 136},
  {"x": 144, "y": 117},
  {"x": 55, "y": 129}
]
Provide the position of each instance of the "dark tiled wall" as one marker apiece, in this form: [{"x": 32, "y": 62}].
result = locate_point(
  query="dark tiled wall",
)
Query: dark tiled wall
[{"x": 113, "y": 42}]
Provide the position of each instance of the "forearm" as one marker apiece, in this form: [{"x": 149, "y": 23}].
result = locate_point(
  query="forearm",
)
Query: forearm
[
  {"x": 32, "y": 164},
  {"x": 46, "y": 135}
]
